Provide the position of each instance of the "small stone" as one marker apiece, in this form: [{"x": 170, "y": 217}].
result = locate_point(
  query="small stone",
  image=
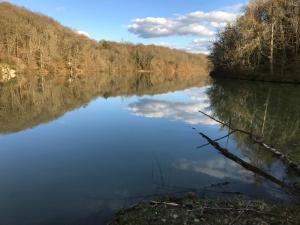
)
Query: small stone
[
  {"x": 196, "y": 220},
  {"x": 175, "y": 216}
]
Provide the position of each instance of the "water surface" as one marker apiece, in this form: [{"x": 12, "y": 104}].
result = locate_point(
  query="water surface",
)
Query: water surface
[{"x": 75, "y": 156}]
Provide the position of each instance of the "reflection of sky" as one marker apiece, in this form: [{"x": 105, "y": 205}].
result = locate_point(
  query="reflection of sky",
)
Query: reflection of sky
[
  {"x": 96, "y": 155},
  {"x": 217, "y": 167},
  {"x": 186, "y": 110}
]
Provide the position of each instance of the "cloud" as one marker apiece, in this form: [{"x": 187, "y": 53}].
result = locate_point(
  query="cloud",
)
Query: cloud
[
  {"x": 200, "y": 45},
  {"x": 237, "y": 9},
  {"x": 161, "y": 27},
  {"x": 187, "y": 112},
  {"x": 218, "y": 168},
  {"x": 199, "y": 23},
  {"x": 84, "y": 33},
  {"x": 202, "y": 25}
]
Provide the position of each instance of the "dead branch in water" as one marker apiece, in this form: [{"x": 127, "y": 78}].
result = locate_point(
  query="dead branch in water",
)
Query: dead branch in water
[
  {"x": 294, "y": 166},
  {"x": 243, "y": 163},
  {"x": 218, "y": 139}
]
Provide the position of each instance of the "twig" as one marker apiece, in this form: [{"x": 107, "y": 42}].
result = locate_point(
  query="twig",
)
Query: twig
[
  {"x": 166, "y": 203},
  {"x": 227, "y": 125},
  {"x": 239, "y": 216},
  {"x": 218, "y": 139}
]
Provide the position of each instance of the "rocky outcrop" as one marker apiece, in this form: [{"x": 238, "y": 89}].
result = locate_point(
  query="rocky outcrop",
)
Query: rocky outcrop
[{"x": 6, "y": 73}]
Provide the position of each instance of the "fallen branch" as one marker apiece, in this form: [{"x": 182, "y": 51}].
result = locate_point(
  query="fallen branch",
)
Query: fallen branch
[
  {"x": 226, "y": 124},
  {"x": 218, "y": 139},
  {"x": 243, "y": 163},
  {"x": 283, "y": 157},
  {"x": 294, "y": 166},
  {"x": 165, "y": 203}
]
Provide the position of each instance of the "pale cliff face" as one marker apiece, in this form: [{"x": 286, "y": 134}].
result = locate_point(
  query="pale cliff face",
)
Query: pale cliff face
[{"x": 6, "y": 73}]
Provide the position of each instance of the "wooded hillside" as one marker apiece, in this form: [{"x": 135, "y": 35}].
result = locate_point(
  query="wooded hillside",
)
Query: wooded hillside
[
  {"x": 35, "y": 44},
  {"x": 264, "y": 43}
]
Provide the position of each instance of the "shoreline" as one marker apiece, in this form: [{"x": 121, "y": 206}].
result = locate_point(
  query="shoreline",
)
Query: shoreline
[
  {"x": 251, "y": 78},
  {"x": 193, "y": 210}
]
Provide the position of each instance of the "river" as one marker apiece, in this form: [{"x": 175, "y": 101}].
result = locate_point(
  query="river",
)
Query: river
[{"x": 77, "y": 153}]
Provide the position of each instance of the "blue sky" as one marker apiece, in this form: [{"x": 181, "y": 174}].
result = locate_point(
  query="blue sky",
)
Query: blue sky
[{"x": 184, "y": 24}]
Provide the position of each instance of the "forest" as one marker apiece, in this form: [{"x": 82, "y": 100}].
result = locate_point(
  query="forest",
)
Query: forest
[
  {"x": 32, "y": 44},
  {"x": 263, "y": 44}
]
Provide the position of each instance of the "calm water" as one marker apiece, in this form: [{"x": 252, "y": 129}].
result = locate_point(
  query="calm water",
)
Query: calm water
[{"x": 76, "y": 158}]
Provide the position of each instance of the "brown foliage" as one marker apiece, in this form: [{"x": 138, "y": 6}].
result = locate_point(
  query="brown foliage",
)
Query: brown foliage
[
  {"x": 264, "y": 41},
  {"x": 38, "y": 45}
]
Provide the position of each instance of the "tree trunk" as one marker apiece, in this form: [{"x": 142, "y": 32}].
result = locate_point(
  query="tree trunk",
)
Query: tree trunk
[
  {"x": 41, "y": 60},
  {"x": 272, "y": 41}
]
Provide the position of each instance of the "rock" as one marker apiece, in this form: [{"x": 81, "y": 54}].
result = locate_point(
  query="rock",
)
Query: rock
[
  {"x": 196, "y": 220},
  {"x": 6, "y": 73}
]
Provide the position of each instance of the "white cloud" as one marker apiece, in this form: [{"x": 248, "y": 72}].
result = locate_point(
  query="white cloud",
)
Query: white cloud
[
  {"x": 219, "y": 168},
  {"x": 199, "y": 23},
  {"x": 187, "y": 111},
  {"x": 200, "y": 45},
  {"x": 84, "y": 33},
  {"x": 202, "y": 25},
  {"x": 213, "y": 16}
]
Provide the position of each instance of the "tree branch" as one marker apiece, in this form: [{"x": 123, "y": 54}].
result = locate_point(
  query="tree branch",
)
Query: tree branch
[
  {"x": 243, "y": 163},
  {"x": 294, "y": 166}
]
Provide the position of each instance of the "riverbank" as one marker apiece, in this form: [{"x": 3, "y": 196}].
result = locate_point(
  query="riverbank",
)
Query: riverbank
[
  {"x": 288, "y": 77},
  {"x": 192, "y": 210}
]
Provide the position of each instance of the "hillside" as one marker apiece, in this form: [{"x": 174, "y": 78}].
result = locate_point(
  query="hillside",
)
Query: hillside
[
  {"x": 32, "y": 44},
  {"x": 263, "y": 44}
]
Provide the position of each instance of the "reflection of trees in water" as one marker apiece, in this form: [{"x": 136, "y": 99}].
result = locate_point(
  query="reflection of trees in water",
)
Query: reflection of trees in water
[
  {"x": 143, "y": 81},
  {"x": 25, "y": 104},
  {"x": 269, "y": 110}
]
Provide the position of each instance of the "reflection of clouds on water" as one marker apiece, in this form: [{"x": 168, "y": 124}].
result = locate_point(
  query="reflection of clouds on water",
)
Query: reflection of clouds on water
[
  {"x": 183, "y": 111},
  {"x": 219, "y": 168},
  {"x": 198, "y": 94}
]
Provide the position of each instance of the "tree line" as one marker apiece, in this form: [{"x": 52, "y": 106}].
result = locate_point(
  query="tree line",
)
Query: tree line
[
  {"x": 263, "y": 43},
  {"x": 35, "y": 44}
]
